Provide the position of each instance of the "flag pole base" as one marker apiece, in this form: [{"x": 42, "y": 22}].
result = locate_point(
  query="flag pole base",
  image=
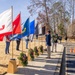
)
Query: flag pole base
[
  {"x": 12, "y": 67},
  {"x": 20, "y": 63}
]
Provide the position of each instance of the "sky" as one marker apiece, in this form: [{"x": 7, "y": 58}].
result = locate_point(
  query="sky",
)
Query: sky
[{"x": 18, "y": 6}]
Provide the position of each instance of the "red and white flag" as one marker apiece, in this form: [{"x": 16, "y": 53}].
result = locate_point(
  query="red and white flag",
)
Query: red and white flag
[
  {"x": 6, "y": 22},
  {"x": 7, "y": 27}
]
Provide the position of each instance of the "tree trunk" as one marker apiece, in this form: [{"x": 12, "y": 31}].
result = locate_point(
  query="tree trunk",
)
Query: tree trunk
[{"x": 47, "y": 19}]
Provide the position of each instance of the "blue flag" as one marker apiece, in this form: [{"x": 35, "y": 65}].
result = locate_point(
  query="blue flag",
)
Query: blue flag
[
  {"x": 25, "y": 31},
  {"x": 32, "y": 27}
]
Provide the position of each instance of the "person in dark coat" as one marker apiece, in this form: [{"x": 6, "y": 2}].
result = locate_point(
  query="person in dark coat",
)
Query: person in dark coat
[
  {"x": 66, "y": 38},
  {"x": 18, "y": 44},
  {"x": 48, "y": 43},
  {"x": 60, "y": 38}
]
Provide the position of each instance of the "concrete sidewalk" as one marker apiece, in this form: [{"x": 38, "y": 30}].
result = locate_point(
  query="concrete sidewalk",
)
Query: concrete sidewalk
[
  {"x": 70, "y": 59},
  {"x": 43, "y": 66}
]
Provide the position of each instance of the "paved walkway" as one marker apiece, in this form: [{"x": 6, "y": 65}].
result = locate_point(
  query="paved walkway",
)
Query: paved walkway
[
  {"x": 43, "y": 66},
  {"x": 70, "y": 60}
]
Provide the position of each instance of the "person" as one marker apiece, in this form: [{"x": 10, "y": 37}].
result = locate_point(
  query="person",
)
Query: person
[
  {"x": 7, "y": 44},
  {"x": 36, "y": 36},
  {"x": 31, "y": 37},
  {"x": 27, "y": 40},
  {"x": 60, "y": 38},
  {"x": 66, "y": 38},
  {"x": 55, "y": 41},
  {"x": 48, "y": 43},
  {"x": 18, "y": 43}
]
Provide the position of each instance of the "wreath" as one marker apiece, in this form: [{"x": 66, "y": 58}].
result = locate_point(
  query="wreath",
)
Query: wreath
[
  {"x": 41, "y": 49},
  {"x": 31, "y": 53},
  {"x": 36, "y": 51},
  {"x": 23, "y": 58}
]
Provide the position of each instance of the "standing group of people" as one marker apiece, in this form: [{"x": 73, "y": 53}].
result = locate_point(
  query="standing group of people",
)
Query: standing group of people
[
  {"x": 18, "y": 40},
  {"x": 48, "y": 42},
  {"x": 54, "y": 39}
]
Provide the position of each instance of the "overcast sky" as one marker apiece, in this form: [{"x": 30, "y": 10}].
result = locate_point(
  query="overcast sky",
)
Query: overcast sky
[{"x": 18, "y": 5}]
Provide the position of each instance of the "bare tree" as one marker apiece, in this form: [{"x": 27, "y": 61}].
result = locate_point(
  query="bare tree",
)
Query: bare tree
[
  {"x": 51, "y": 13},
  {"x": 42, "y": 7}
]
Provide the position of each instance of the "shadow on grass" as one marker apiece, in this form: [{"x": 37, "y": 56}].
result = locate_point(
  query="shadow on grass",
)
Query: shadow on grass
[{"x": 1, "y": 65}]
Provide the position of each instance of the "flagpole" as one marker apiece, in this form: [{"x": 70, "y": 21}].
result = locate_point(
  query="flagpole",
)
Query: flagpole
[
  {"x": 12, "y": 67},
  {"x": 21, "y": 34},
  {"x": 22, "y": 45},
  {"x": 29, "y": 33},
  {"x": 12, "y": 29},
  {"x": 34, "y": 36}
]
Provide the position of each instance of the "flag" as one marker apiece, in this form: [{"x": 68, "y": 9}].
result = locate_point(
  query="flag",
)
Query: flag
[
  {"x": 25, "y": 31},
  {"x": 32, "y": 27},
  {"x": 6, "y": 22},
  {"x": 1, "y": 37},
  {"x": 36, "y": 31},
  {"x": 17, "y": 25}
]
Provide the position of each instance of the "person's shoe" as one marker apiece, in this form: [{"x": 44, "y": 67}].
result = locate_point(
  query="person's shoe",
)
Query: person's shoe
[
  {"x": 51, "y": 51},
  {"x": 8, "y": 53},
  {"x": 17, "y": 49},
  {"x": 48, "y": 57},
  {"x": 45, "y": 49}
]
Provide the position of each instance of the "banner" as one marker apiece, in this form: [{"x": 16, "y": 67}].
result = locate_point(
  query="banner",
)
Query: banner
[
  {"x": 25, "y": 31},
  {"x": 32, "y": 27},
  {"x": 6, "y": 22},
  {"x": 17, "y": 25}
]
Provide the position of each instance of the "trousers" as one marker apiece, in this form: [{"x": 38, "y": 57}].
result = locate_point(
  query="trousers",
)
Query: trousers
[
  {"x": 27, "y": 44},
  {"x": 18, "y": 43},
  {"x": 48, "y": 51},
  {"x": 7, "y": 47}
]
